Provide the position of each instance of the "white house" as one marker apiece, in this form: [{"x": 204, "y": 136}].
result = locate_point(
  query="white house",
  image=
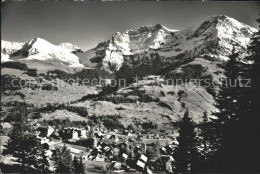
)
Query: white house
[
  {"x": 37, "y": 133},
  {"x": 100, "y": 158},
  {"x": 75, "y": 135},
  {"x": 44, "y": 140},
  {"x": 83, "y": 133},
  {"x": 6, "y": 125},
  {"x": 48, "y": 153},
  {"x": 38, "y": 124},
  {"x": 50, "y": 131},
  {"x": 95, "y": 142}
]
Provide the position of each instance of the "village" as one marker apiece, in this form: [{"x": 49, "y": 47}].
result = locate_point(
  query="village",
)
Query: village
[{"x": 102, "y": 150}]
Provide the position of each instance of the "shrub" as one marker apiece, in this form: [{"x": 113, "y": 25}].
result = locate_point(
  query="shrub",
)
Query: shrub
[
  {"x": 11, "y": 83},
  {"x": 32, "y": 72},
  {"x": 15, "y": 65},
  {"x": 20, "y": 94},
  {"x": 171, "y": 92},
  {"x": 165, "y": 105},
  {"x": 109, "y": 121},
  {"x": 82, "y": 111},
  {"x": 162, "y": 93},
  {"x": 49, "y": 87}
]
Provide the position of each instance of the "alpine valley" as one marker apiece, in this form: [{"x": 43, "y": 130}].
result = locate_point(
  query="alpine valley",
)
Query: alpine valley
[{"x": 148, "y": 59}]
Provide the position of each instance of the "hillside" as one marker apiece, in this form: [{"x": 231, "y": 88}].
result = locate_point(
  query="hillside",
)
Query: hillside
[
  {"x": 158, "y": 45},
  {"x": 155, "y": 54}
]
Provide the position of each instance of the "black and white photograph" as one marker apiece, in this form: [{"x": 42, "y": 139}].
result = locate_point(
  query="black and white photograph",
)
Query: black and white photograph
[{"x": 139, "y": 87}]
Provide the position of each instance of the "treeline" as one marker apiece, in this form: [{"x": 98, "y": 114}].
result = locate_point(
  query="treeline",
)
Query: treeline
[
  {"x": 50, "y": 107},
  {"x": 83, "y": 77},
  {"x": 111, "y": 122},
  {"x": 13, "y": 83},
  {"x": 20, "y": 66},
  {"x": 65, "y": 123},
  {"x": 123, "y": 98}
]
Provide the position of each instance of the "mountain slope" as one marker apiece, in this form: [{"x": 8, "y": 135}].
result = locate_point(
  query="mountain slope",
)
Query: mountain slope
[
  {"x": 39, "y": 49},
  {"x": 38, "y": 72},
  {"x": 8, "y": 48},
  {"x": 154, "y": 54},
  {"x": 214, "y": 37},
  {"x": 71, "y": 48},
  {"x": 110, "y": 55}
]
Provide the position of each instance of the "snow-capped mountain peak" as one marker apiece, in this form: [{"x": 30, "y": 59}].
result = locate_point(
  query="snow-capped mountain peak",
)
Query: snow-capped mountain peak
[
  {"x": 132, "y": 42},
  {"x": 222, "y": 33},
  {"x": 70, "y": 47},
  {"x": 43, "y": 50},
  {"x": 39, "y": 45},
  {"x": 154, "y": 28},
  {"x": 215, "y": 36},
  {"x": 142, "y": 39},
  {"x": 10, "y": 47},
  {"x": 39, "y": 49}
]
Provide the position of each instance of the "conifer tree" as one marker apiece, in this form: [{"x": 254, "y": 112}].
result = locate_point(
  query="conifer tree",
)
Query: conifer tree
[
  {"x": 204, "y": 145},
  {"x": 223, "y": 124},
  {"x": 63, "y": 160},
  {"x": 249, "y": 128},
  {"x": 204, "y": 134},
  {"x": 42, "y": 162},
  {"x": 81, "y": 166},
  {"x": 186, "y": 152},
  {"x": 22, "y": 144},
  {"x": 78, "y": 165}
]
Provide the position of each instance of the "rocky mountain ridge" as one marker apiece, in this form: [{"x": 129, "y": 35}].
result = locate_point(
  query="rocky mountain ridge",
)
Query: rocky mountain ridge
[
  {"x": 154, "y": 54},
  {"x": 39, "y": 49},
  {"x": 213, "y": 37}
]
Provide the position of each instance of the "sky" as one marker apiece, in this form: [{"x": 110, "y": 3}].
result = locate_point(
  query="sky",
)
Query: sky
[{"x": 86, "y": 24}]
